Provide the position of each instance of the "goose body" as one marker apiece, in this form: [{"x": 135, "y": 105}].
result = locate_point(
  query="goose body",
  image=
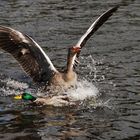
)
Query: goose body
[{"x": 37, "y": 64}]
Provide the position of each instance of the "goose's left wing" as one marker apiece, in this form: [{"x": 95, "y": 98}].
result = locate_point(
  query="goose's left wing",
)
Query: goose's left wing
[{"x": 28, "y": 53}]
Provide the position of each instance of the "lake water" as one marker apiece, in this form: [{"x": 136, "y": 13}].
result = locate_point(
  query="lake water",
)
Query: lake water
[{"x": 110, "y": 63}]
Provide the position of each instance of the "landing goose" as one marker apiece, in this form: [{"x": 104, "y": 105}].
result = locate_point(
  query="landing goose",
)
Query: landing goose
[{"x": 37, "y": 64}]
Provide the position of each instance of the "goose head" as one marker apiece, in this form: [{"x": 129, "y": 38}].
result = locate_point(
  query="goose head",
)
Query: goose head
[{"x": 74, "y": 50}]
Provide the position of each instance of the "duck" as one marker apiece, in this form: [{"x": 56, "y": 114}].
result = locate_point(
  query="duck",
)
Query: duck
[
  {"x": 37, "y": 65},
  {"x": 56, "y": 101}
]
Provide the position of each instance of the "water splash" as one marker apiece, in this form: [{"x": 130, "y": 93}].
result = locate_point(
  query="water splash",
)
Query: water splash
[
  {"x": 95, "y": 103},
  {"x": 83, "y": 91},
  {"x": 91, "y": 70},
  {"x": 9, "y": 86}
]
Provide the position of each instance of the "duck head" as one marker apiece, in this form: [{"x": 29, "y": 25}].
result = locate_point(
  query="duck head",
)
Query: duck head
[{"x": 25, "y": 96}]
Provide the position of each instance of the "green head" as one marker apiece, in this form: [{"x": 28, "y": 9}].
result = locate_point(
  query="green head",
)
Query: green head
[{"x": 25, "y": 96}]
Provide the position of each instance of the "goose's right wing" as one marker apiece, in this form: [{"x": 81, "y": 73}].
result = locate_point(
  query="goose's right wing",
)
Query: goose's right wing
[
  {"x": 95, "y": 26},
  {"x": 28, "y": 53}
]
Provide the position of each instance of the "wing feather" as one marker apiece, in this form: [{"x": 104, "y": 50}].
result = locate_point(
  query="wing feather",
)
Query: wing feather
[{"x": 28, "y": 53}]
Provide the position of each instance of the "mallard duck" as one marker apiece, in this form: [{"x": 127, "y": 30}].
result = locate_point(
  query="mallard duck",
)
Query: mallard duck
[
  {"x": 38, "y": 65},
  {"x": 60, "y": 100}
]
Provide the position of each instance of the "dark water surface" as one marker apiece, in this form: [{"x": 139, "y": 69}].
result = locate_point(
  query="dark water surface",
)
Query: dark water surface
[{"x": 115, "y": 71}]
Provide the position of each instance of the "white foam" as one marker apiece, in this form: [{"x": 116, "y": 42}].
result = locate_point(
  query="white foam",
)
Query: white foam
[
  {"x": 83, "y": 91},
  {"x": 15, "y": 84},
  {"x": 11, "y": 87}
]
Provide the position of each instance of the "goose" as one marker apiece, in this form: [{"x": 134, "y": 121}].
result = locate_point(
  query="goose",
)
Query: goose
[{"x": 36, "y": 63}]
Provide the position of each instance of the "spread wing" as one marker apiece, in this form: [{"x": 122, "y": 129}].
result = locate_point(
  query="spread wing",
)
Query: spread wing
[
  {"x": 28, "y": 53},
  {"x": 93, "y": 28}
]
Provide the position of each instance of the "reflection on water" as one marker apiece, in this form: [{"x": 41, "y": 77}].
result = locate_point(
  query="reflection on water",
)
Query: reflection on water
[{"x": 109, "y": 63}]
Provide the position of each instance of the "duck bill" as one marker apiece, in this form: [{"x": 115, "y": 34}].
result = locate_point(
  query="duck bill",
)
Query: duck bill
[{"x": 18, "y": 97}]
